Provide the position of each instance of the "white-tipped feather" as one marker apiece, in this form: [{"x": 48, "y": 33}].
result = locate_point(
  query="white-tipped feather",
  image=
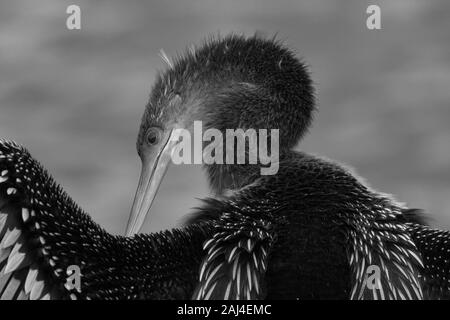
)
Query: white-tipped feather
[
  {"x": 31, "y": 278},
  {"x": 202, "y": 270},
  {"x": 37, "y": 290},
  {"x": 230, "y": 257},
  {"x": 165, "y": 58},
  {"x": 207, "y": 243},
  {"x": 11, "y": 290},
  {"x": 22, "y": 295},
  {"x": 256, "y": 282},
  {"x": 418, "y": 291},
  {"x": 249, "y": 276},
  {"x": 11, "y": 191},
  {"x": 363, "y": 267},
  {"x": 10, "y": 237},
  {"x": 255, "y": 260},
  {"x": 264, "y": 252},
  {"x": 208, "y": 295},
  {"x": 227, "y": 291},
  {"x": 235, "y": 265},
  {"x": 46, "y": 296},
  {"x": 238, "y": 280},
  {"x": 15, "y": 259},
  {"x": 212, "y": 255},
  {"x": 25, "y": 214},
  {"x": 2, "y": 222},
  {"x": 405, "y": 288},
  {"x": 352, "y": 295},
  {"x": 4, "y": 253},
  {"x": 211, "y": 275},
  {"x": 400, "y": 268},
  {"x": 416, "y": 257}
]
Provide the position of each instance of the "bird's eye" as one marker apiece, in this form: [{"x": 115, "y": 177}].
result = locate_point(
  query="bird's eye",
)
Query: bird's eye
[{"x": 153, "y": 136}]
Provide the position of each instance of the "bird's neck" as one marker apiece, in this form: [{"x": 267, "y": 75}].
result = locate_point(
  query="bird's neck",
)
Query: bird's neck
[{"x": 226, "y": 177}]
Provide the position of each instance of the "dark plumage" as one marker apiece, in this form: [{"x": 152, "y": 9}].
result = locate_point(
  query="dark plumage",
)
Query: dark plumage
[
  {"x": 326, "y": 229},
  {"x": 314, "y": 229},
  {"x": 50, "y": 232},
  {"x": 311, "y": 231},
  {"x": 434, "y": 245}
]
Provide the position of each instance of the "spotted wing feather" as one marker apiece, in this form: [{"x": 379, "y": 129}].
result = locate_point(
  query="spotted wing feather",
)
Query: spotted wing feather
[
  {"x": 385, "y": 262},
  {"x": 27, "y": 270},
  {"x": 236, "y": 260},
  {"x": 434, "y": 246},
  {"x": 43, "y": 233}
]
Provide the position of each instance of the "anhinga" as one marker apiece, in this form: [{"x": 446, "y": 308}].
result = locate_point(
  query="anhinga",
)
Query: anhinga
[
  {"x": 314, "y": 222},
  {"x": 313, "y": 230}
]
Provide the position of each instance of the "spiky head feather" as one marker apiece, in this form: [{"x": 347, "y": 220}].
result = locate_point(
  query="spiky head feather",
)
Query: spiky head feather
[{"x": 234, "y": 82}]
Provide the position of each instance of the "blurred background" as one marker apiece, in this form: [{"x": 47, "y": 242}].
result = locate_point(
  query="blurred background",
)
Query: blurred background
[{"x": 74, "y": 98}]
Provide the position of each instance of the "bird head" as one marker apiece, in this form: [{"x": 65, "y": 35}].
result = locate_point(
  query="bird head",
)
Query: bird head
[{"x": 234, "y": 82}]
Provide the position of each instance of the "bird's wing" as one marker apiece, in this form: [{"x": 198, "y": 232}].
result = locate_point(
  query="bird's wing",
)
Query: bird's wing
[
  {"x": 50, "y": 248},
  {"x": 434, "y": 246},
  {"x": 24, "y": 272},
  {"x": 387, "y": 264},
  {"x": 236, "y": 259},
  {"x": 27, "y": 269}
]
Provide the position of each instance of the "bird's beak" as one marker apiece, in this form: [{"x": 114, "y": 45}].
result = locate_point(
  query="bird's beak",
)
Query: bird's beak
[{"x": 154, "y": 166}]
